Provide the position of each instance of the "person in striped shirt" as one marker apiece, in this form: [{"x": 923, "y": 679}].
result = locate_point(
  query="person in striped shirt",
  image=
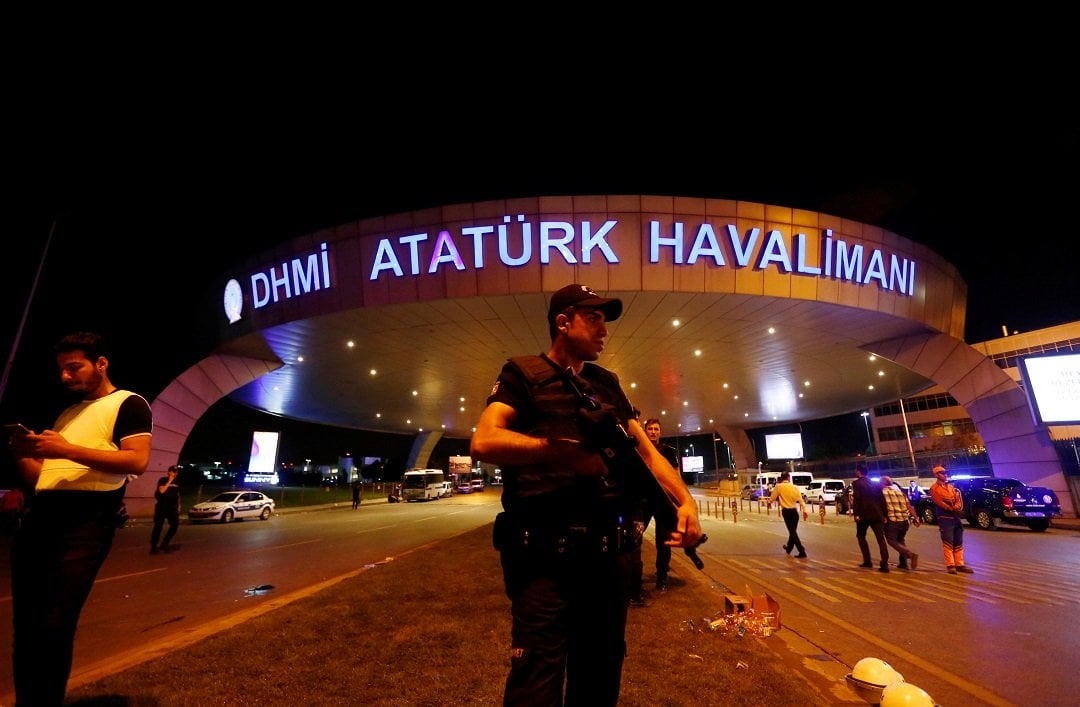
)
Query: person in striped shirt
[{"x": 898, "y": 510}]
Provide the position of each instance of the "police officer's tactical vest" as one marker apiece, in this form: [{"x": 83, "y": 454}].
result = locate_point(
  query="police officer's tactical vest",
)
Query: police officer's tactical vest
[{"x": 551, "y": 492}]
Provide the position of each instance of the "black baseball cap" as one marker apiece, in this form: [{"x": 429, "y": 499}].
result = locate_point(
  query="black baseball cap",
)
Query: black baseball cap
[{"x": 582, "y": 296}]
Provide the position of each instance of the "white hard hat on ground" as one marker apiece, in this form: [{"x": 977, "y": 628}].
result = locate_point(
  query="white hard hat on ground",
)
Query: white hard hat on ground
[{"x": 904, "y": 694}]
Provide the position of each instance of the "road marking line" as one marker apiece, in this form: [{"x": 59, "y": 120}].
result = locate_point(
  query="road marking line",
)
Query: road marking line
[
  {"x": 831, "y": 584},
  {"x": 976, "y": 691},
  {"x": 181, "y": 639}
]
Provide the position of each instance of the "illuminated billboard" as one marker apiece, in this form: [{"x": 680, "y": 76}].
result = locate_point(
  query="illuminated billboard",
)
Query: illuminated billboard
[
  {"x": 694, "y": 465},
  {"x": 784, "y": 446},
  {"x": 1052, "y": 383},
  {"x": 262, "y": 467}
]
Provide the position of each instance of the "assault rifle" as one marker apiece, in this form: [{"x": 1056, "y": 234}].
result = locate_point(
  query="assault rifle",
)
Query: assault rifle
[{"x": 601, "y": 429}]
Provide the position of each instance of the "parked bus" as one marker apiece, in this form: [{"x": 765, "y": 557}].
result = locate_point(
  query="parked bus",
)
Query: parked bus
[{"x": 422, "y": 484}]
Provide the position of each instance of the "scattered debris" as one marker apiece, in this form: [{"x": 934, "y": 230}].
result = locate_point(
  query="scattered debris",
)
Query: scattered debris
[
  {"x": 739, "y": 623},
  {"x": 742, "y": 664},
  {"x": 372, "y": 565}
]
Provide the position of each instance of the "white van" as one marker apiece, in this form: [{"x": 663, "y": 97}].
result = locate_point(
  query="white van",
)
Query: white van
[
  {"x": 802, "y": 480},
  {"x": 766, "y": 479},
  {"x": 824, "y": 490}
]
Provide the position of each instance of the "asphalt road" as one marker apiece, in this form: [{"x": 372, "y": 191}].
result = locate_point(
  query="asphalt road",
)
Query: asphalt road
[
  {"x": 223, "y": 574},
  {"x": 982, "y": 639}
]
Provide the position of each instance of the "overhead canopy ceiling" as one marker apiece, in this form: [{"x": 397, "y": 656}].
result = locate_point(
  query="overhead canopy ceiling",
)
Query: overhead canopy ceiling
[{"x": 697, "y": 361}]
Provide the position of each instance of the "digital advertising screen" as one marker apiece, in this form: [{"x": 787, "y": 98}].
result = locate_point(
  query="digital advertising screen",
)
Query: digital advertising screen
[
  {"x": 264, "y": 449},
  {"x": 1052, "y": 383},
  {"x": 784, "y": 446},
  {"x": 693, "y": 464}
]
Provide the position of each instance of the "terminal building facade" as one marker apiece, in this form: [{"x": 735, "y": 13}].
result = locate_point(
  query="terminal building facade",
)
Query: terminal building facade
[
  {"x": 910, "y": 436},
  {"x": 737, "y": 315}
]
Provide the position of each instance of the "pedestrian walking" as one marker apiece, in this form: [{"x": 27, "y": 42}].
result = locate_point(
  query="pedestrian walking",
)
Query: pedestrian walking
[
  {"x": 166, "y": 510},
  {"x": 868, "y": 507},
  {"x": 899, "y": 514},
  {"x": 791, "y": 503}
]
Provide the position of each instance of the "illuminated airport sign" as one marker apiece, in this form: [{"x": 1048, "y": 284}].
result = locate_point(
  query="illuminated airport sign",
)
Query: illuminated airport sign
[
  {"x": 587, "y": 241},
  {"x": 517, "y": 242}
]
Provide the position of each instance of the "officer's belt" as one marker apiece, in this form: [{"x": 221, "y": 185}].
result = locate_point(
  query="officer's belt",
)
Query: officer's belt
[{"x": 570, "y": 539}]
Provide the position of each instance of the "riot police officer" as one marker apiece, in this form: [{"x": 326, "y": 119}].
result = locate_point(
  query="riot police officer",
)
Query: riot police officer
[{"x": 563, "y": 526}]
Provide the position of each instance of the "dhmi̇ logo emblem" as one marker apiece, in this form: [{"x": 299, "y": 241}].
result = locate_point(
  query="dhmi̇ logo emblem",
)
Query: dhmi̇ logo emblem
[{"x": 234, "y": 301}]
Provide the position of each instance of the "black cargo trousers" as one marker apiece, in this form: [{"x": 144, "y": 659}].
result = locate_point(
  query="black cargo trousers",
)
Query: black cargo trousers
[{"x": 567, "y": 589}]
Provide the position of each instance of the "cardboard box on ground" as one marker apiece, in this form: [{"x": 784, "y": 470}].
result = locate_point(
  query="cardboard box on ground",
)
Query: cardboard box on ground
[{"x": 757, "y": 613}]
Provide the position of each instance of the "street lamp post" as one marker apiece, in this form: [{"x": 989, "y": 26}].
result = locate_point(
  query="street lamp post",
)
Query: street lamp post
[
  {"x": 869, "y": 439},
  {"x": 716, "y": 463}
]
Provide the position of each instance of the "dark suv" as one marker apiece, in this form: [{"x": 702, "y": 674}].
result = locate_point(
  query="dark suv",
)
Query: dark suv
[{"x": 995, "y": 500}]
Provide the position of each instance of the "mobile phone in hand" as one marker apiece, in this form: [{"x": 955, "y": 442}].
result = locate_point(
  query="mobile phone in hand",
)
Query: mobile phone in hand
[{"x": 17, "y": 428}]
